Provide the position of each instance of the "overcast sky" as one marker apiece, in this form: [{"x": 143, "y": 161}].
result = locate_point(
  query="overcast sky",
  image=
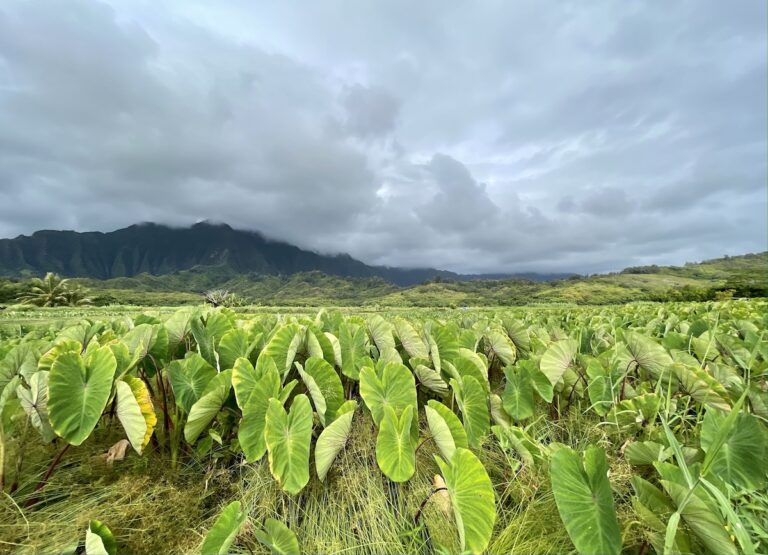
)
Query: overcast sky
[{"x": 471, "y": 136}]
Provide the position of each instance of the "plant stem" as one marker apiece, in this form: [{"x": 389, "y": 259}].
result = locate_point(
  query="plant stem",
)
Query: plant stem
[{"x": 47, "y": 475}]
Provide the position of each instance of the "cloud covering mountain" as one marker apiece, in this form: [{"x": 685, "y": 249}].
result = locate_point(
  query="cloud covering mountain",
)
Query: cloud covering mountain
[{"x": 492, "y": 137}]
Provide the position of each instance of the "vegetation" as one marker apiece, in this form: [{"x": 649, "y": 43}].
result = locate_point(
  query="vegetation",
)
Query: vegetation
[
  {"x": 734, "y": 277},
  {"x": 52, "y": 290},
  {"x": 421, "y": 431}
]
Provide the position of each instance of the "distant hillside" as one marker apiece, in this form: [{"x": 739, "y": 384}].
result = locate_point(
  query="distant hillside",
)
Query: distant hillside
[
  {"x": 158, "y": 250},
  {"x": 741, "y": 276}
]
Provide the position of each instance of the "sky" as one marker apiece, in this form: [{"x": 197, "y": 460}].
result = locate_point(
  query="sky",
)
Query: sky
[{"x": 488, "y": 136}]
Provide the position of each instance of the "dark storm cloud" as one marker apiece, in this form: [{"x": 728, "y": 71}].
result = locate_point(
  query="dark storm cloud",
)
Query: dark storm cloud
[{"x": 496, "y": 137}]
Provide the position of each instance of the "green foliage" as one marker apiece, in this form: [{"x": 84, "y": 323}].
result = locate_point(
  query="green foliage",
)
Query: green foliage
[
  {"x": 584, "y": 499},
  {"x": 52, "y": 290},
  {"x": 287, "y": 436},
  {"x": 673, "y": 394},
  {"x": 472, "y": 499},
  {"x": 395, "y": 451},
  {"x": 79, "y": 388},
  {"x": 223, "y": 532}
]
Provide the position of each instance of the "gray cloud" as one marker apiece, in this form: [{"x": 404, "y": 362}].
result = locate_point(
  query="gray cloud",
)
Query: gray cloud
[{"x": 430, "y": 134}]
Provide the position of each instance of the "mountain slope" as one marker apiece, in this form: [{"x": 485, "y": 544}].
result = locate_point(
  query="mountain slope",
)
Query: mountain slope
[{"x": 157, "y": 250}]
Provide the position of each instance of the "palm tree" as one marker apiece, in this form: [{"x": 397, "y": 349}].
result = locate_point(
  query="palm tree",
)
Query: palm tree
[
  {"x": 77, "y": 295},
  {"x": 53, "y": 290}
]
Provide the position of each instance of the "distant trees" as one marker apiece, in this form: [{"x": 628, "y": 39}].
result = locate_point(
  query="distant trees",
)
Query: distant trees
[{"x": 53, "y": 290}]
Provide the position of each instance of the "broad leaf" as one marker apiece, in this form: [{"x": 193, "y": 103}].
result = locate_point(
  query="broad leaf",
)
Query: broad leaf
[
  {"x": 224, "y": 531},
  {"x": 558, "y": 357},
  {"x": 282, "y": 347},
  {"x": 395, "y": 388},
  {"x": 647, "y": 354},
  {"x": 235, "y": 344},
  {"x": 189, "y": 377},
  {"x": 352, "y": 346},
  {"x": 395, "y": 451},
  {"x": 251, "y": 431},
  {"x": 741, "y": 460},
  {"x": 35, "y": 403},
  {"x": 410, "y": 339},
  {"x": 584, "y": 499},
  {"x": 278, "y": 538},
  {"x": 288, "y": 436},
  {"x": 501, "y": 346},
  {"x": 135, "y": 411},
  {"x": 208, "y": 406},
  {"x": 473, "y": 401},
  {"x": 324, "y": 386},
  {"x": 518, "y": 394},
  {"x": 441, "y": 419},
  {"x": 472, "y": 499},
  {"x": 331, "y": 441},
  {"x": 78, "y": 391}
]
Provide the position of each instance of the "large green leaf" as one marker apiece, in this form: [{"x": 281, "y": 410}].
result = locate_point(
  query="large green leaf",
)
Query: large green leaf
[
  {"x": 558, "y": 357},
  {"x": 654, "y": 509},
  {"x": 35, "y": 403},
  {"x": 584, "y": 500},
  {"x": 697, "y": 509},
  {"x": 189, "y": 377},
  {"x": 646, "y": 453},
  {"x": 395, "y": 388},
  {"x": 647, "y": 354},
  {"x": 224, "y": 531},
  {"x": 244, "y": 378},
  {"x": 251, "y": 431},
  {"x": 518, "y": 394},
  {"x": 208, "y": 406},
  {"x": 135, "y": 411},
  {"x": 395, "y": 451},
  {"x": 278, "y": 538},
  {"x": 518, "y": 333},
  {"x": 235, "y": 344},
  {"x": 353, "y": 349},
  {"x": 445, "y": 427},
  {"x": 177, "y": 327},
  {"x": 443, "y": 345},
  {"x": 381, "y": 332},
  {"x": 324, "y": 386},
  {"x": 99, "y": 539},
  {"x": 22, "y": 360},
  {"x": 741, "y": 460},
  {"x": 701, "y": 386},
  {"x": 501, "y": 346},
  {"x": 282, "y": 347},
  {"x": 430, "y": 379},
  {"x": 78, "y": 391},
  {"x": 331, "y": 441},
  {"x": 473, "y": 401},
  {"x": 472, "y": 499},
  {"x": 47, "y": 358},
  {"x": 288, "y": 437},
  {"x": 469, "y": 363},
  {"x": 410, "y": 339},
  {"x": 148, "y": 340}
]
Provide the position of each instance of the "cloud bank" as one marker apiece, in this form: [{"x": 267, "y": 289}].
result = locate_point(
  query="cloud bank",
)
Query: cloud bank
[{"x": 485, "y": 138}]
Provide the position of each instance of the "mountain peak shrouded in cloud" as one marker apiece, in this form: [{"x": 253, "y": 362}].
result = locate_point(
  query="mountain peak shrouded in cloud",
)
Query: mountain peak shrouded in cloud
[
  {"x": 483, "y": 138},
  {"x": 154, "y": 249}
]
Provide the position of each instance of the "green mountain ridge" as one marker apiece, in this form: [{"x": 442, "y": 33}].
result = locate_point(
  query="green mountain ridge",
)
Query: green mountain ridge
[
  {"x": 740, "y": 276},
  {"x": 158, "y": 250}
]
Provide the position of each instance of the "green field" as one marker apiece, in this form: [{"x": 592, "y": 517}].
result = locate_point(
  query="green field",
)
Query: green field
[{"x": 637, "y": 428}]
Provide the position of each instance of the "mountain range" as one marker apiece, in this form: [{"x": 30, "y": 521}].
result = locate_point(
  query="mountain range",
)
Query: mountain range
[{"x": 155, "y": 249}]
